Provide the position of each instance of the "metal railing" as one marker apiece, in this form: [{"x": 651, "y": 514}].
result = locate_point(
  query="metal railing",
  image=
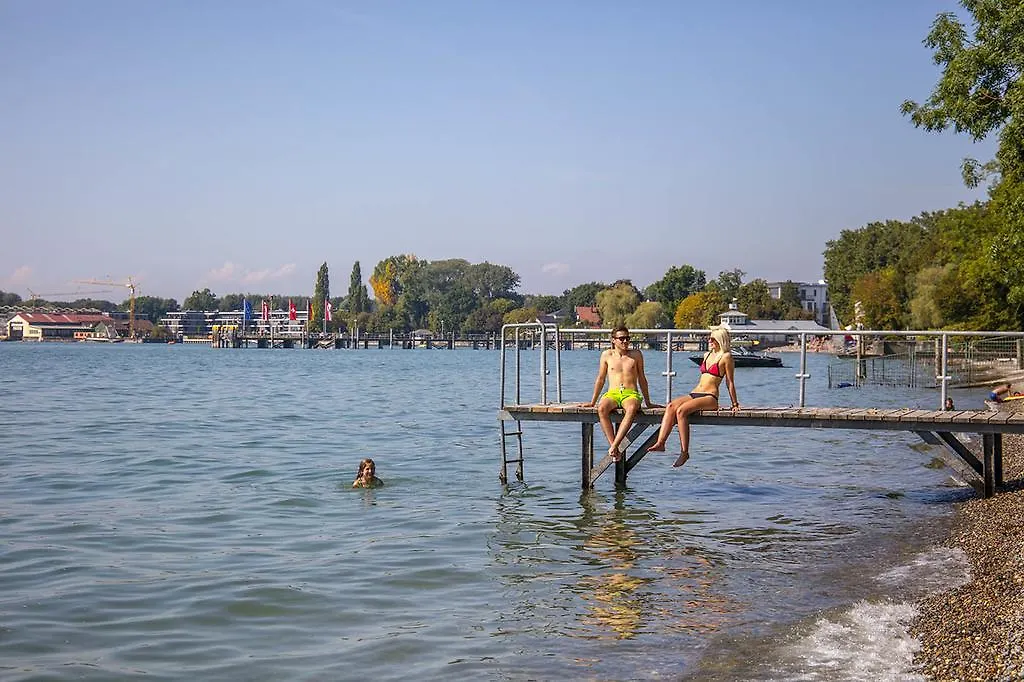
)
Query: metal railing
[{"x": 968, "y": 352}]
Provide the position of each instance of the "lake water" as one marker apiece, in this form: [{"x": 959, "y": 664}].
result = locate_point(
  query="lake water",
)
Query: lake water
[{"x": 180, "y": 512}]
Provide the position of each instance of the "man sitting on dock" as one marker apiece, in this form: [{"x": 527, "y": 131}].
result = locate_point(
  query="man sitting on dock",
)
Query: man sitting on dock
[{"x": 624, "y": 369}]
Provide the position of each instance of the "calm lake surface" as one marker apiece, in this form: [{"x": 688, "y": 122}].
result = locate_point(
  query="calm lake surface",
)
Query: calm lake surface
[{"x": 179, "y": 512}]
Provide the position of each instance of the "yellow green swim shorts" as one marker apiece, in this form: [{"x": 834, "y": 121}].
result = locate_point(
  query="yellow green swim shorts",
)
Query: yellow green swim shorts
[{"x": 620, "y": 395}]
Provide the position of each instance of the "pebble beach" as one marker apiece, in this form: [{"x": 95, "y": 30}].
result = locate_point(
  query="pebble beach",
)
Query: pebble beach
[{"x": 976, "y": 631}]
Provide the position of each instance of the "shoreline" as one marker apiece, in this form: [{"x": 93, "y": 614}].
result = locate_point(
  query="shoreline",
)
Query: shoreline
[{"x": 976, "y": 631}]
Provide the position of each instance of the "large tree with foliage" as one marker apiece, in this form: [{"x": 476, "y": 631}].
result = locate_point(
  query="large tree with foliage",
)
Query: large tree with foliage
[
  {"x": 893, "y": 244},
  {"x": 979, "y": 93},
  {"x": 358, "y": 300},
  {"x": 728, "y": 284},
  {"x": 699, "y": 310},
  {"x": 677, "y": 283},
  {"x": 321, "y": 293},
  {"x": 204, "y": 300},
  {"x": 648, "y": 315},
  {"x": 616, "y": 302},
  {"x": 153, "y": 308},
  {"x": 583, "y": 294}
]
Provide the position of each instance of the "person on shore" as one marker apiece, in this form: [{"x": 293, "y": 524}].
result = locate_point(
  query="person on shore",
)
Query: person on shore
[
  {"x": 717, "y": 365},
  {"x": 999, "y": 393},
  {"x": 367, "y": 475},
  {"x": 623, "y": 367},
  {"x": 949, "y": 405}
]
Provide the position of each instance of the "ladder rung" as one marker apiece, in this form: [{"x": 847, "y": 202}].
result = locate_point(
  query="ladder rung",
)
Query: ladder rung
[{"x": 512, "y": 433}]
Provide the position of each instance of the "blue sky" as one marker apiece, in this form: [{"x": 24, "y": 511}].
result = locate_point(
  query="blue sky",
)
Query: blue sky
[{"x": 238, "y": 144}]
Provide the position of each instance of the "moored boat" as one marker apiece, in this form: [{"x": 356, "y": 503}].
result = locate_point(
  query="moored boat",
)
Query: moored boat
[{"x": 744, "y": 357}]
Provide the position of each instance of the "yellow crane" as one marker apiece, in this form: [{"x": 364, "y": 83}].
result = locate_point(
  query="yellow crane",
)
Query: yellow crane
[
  {"x": 131, "y": 298},
  {"x": 39, "y": 297}
]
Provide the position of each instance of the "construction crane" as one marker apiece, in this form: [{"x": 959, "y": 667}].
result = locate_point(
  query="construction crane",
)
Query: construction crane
[
  {"x": 131, "y": 298},
  {"x": 39, "y": 297}
]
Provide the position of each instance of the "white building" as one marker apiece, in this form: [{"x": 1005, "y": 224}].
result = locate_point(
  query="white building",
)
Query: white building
[
  {"x": 767, "y": 333},
  {"x": 813, "y": 298}
]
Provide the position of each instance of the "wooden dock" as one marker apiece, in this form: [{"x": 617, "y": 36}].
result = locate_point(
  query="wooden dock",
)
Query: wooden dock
[{"x": 933, "y": 426}]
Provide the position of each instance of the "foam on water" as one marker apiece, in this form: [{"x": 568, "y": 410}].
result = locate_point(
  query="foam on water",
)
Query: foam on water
[{"x": 869, "y": 642}]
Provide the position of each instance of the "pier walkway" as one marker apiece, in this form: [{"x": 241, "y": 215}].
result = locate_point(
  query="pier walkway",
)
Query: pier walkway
[
  {"x": 933, "y": 426},
  {"x": 983, "y": 469}
]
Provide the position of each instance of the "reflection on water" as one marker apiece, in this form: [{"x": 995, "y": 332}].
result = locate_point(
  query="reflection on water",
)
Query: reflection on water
[{"x": 612, "y": 571}]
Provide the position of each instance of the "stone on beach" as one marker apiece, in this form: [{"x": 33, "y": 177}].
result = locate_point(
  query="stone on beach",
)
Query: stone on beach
[{"x": 976, "y": 631}]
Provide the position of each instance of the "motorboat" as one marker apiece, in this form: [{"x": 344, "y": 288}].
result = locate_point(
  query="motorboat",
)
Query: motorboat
[{"x": 744, "y": 357}]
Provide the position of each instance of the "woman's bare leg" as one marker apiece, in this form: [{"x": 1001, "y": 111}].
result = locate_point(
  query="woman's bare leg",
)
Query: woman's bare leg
[
  {"x": 667, "y": 422},
  {"x": 683, "y": 413}
]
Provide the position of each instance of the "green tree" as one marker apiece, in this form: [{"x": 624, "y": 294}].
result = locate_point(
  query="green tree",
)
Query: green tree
[
  {"x": 753, "y": 299},
  {"x": 521, "y": 315},
  {"x": 153, "y": 308},
  {"x": 877, "y": 295},
  {"x": 201, "y": 300},
  {"x": 648, "y": 315},
  {"x": 728, "y": 284},
  {"x": 547, "y": 304},
  {"x": 9, "y": 298},
  {"x": 699, "y": 310},
  {"x": 616, "y": 302},
  {"x": 358, "y": 300},
  {"x": 321, "y": 294},
  {"x": 583, "y": 294},
  {"x": 979, "y": 91},
  {"x": 677, "y": 284},
  {"x": 925, "y": 307},
  {"x": 490, "y": 282}
]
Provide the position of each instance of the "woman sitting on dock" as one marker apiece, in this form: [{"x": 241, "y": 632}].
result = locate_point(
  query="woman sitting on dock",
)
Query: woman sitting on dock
[{"x": 718, "y": 364}]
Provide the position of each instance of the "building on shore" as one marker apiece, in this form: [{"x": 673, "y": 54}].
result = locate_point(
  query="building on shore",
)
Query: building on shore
[
  {"x": 813, "y": 298},
  {"x": 200, "y": 323},
  {"x": 768, "y": 333}
]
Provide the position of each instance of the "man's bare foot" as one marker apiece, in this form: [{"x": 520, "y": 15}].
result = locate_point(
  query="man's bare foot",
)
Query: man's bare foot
[
  {"x": 681, "y": 459},
  {"x": 657, "y": 447},
  {"x": 614, "y": 453}
]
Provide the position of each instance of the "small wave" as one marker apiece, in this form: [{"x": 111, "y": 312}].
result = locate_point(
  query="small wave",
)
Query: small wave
[
  {"x": 936, "y": 570},
  {"x": 869, "y": 642}
]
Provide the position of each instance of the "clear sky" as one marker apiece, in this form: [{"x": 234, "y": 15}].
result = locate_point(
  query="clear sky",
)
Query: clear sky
[{"x": 238, "y": 144}]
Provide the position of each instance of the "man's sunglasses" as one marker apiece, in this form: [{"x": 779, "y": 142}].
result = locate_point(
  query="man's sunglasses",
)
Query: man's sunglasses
[{"x": 621, "y": 338}]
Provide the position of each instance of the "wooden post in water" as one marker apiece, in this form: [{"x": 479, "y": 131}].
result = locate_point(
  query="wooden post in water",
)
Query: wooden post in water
[{"x": 588, "y": 455}]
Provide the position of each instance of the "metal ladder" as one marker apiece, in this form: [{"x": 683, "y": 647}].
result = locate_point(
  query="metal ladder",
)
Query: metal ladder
[{"x": 505, "y": 461}]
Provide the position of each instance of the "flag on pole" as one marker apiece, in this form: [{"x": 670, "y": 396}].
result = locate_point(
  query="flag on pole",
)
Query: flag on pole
[
  {"x": 291, "y": 310},
  {"x": 266, "y": 311},
  {"x": 309, "y": 311},
  {"x": 246, "y": 310},
  {"x": 327, "y": 309}
]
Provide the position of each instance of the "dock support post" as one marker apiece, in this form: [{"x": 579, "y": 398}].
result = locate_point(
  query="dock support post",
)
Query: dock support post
[
  {"x": 588, "y": 455},
  {"x": 997, "y": 457},
  {"x": 988, "y": 463}
]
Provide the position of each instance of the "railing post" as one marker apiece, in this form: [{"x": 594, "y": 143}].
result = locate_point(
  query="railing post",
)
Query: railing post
[
  {"x": 502, "y": 373},
  {"x": 518, "y": 369},
  {"x": 803, "y": 375},
  {"x": 668, "y": 373},
  {"x": 543, "y": 365},
  {"x": 944, "y": 376},
  {"x": 558, "y": 365}
]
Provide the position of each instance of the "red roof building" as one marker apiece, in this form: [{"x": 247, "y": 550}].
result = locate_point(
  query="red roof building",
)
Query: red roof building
[
  {"x": 53, "y": 326},
  {"x": 588, "y": 315}
]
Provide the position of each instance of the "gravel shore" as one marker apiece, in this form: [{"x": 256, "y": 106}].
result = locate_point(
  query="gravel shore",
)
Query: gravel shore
[{"x": 976, "y": 631}]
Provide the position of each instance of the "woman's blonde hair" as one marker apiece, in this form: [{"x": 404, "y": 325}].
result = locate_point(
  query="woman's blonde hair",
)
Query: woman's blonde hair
[{"x": 721, "y": 335}]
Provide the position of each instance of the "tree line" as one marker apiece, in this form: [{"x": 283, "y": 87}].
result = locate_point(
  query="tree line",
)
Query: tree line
[
  {"x": 455, "y": 295},
  {"x": 962, "y": 268}
]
